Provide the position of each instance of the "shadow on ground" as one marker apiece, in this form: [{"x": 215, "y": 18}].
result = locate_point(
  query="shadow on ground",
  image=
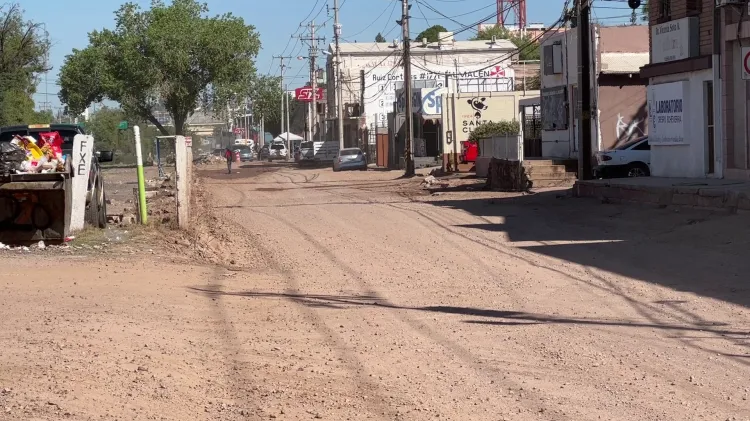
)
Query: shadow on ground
[
  {"x": 686, "y": 250},
  {"x": 488, "y": 317}
]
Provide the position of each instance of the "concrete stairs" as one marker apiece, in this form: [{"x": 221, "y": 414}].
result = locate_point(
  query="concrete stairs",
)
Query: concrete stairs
[{"x": 544, "y": 173}]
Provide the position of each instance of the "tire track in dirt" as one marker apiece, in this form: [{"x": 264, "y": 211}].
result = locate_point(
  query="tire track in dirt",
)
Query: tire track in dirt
[
  {"x": 356, "y": 368},
  {"x": 609, "y": 287},
  {"x": 531, "y": 399}
]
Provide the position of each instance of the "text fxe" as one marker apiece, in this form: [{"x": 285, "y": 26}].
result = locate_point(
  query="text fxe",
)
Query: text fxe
[
  {"x": 381, "y": 84},
  {"x": 665, "y": 108}
]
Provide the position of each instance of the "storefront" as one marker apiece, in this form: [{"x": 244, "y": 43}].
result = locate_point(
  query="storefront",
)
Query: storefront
[{"x": 680, "y": 102}]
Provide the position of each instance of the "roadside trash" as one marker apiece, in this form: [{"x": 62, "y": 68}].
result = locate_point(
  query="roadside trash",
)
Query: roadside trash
[
  {"x": 41, "y": 245},
  {"x": 11, "y": 157},
  {"x": 429, "y": 180},
  {"x": 26, "y": 155}
]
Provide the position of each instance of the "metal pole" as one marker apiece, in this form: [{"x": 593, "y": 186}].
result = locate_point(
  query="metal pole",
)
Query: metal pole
[
  {"x": 409, "y": 155},
  {"x": 584, "y": 89},
  {"x": 313, "y": 79},
  {"x": 288, "y": 126},
  {"x": 141, "y": 179},
  {"x": 338, "y": 83}
]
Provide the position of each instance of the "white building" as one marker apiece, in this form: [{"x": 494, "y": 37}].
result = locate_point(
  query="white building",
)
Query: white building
[{"x": 371, "y": 74}]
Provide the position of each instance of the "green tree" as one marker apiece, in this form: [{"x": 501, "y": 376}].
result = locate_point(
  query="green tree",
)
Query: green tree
[
  {"x": 23, "y": 50},
  {"x": 266, "y": 95},
  {"x": 644, "y": 11},
  {"x": 170, "y": 54},
  {"x": 103, "y": 125},
  {"x": 431, "y": 33},
  {"x": 528, "y": 46},
  {"x": 380, "y": 38}
]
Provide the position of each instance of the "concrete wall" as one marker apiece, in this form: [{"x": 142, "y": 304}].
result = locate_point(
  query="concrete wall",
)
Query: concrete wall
[
  {"x": 623, "y": 111},
  {"x": 563, "y": 143},
  {"x": 736, "y": 93},
  {"x": 689, "y": 159}
]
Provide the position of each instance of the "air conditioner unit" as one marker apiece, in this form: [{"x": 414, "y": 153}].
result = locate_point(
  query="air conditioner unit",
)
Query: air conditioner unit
[{"x": 722, "y": 3}]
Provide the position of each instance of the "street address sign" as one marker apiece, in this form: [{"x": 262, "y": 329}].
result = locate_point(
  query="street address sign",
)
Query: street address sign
[{"x": 305, "y": 94}]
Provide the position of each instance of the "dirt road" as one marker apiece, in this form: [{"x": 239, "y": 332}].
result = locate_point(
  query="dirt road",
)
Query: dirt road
[{"x": 355, "y": 296}]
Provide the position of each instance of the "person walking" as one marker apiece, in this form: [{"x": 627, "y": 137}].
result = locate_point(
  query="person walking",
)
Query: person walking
[{"x": 229, "y": 155}]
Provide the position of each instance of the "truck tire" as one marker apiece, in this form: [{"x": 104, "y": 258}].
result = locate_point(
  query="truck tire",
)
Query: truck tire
[
  {"x": 103, "y": 211},
  {"x": 92, "y": 210}
]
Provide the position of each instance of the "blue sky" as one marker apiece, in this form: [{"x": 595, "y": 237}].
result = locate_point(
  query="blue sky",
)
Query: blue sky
[{"x": 69, "y": 22}]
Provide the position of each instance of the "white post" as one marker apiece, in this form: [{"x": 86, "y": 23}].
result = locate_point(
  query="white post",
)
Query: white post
[
  {"x": 83, "y": 149},
  {"x": 183, "y": 182}
]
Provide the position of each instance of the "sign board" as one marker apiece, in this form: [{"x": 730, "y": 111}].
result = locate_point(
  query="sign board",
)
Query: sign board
[
  {"x": 473, "y": 111},
  {"x": 745, "y": 63},
  {"x": 238, "y": 130},
  {"x": 665, "y": 113},
  {"x": 381, "y": 84},
  {"x": 432, "y": 101},
  {"x": 83, "y": 150},
  {"x": 416, "y": 100},
  {"x": 188, "y": 141},
  {"x": 305, "y": 94},
  {"x": 674, "y": 40}
]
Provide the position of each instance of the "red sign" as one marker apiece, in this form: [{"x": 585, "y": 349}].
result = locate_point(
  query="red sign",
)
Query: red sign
[
  {"x": 305, "y": 94},
  {"x": 499, "y": 71},
  {"x": 239, "y": 130}
]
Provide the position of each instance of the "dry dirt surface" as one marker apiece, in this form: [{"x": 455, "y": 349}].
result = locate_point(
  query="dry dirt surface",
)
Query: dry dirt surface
[{"x": 304, "y": 294}]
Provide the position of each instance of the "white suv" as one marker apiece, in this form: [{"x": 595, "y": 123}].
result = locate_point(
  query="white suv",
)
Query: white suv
[{"x": 277, "y": 150}]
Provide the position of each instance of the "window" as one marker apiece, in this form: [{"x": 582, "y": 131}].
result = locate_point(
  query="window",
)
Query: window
[
  {"x": 692, "y": 7},
  {"x": 665, "y": 10},
  {"x": 644, "y": 146},
  {"x": 350, "y": 152}
]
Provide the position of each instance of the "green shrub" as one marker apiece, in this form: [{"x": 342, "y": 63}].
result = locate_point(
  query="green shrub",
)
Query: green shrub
[{"x": 493, "y": 129}]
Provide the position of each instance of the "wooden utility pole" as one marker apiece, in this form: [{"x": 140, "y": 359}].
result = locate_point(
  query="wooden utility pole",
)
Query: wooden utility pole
[
  {"x": 584, "y": 90},
  {"x": 313, "y": 54},
  {"x": 409, "y": 117}
]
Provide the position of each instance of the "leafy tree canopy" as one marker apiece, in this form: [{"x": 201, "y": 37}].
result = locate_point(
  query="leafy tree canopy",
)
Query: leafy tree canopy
[
  {"x": 172, "y": 54},
  {"x": 380, "y": 38},
  {"x": 23, "y": 50},
  {"x": 266, "y": 95},
  {"x": 431, "y": 33},
  {"x": 526, "y": 43}
]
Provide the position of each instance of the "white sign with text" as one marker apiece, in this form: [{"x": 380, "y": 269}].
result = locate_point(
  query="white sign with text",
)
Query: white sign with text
[
  {"x": 381, "y": 83},
  {"x": 82, "y": 154},
  {"x": 666, "y": 114},
  {"x": 674, "y": 40}
]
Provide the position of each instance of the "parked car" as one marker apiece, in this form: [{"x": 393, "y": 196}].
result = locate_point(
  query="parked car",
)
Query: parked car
[
  {"x": 631, "y": 159},
  {"x": 350, "y": 159},
  {"x": 277, "y": 150},
  {"x": 246, "y": 154}
]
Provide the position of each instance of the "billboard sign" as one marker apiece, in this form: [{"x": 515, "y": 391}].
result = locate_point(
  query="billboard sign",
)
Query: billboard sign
[{"x": 305, "y": 94}]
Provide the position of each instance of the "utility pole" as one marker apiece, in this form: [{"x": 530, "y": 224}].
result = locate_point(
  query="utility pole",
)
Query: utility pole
[
  {"x": 584, "y": 89},
  {"x": 337, "y": 82},
  {"x": 288, "y": 126},
  {"x": 409, "y": 117},
  {"x": 313, "y": 77},
  {"x": 283, "y": 92}
]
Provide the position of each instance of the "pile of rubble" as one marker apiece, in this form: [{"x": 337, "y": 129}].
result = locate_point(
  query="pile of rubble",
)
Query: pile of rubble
[{"x": 507, "y": 175}]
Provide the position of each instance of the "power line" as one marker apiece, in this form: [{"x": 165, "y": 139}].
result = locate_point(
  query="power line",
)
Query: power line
[{"x": 374, "y": 21}]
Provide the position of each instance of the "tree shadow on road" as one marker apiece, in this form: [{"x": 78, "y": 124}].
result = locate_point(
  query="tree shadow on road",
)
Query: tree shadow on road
[{"x": 491, "y": 317}]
